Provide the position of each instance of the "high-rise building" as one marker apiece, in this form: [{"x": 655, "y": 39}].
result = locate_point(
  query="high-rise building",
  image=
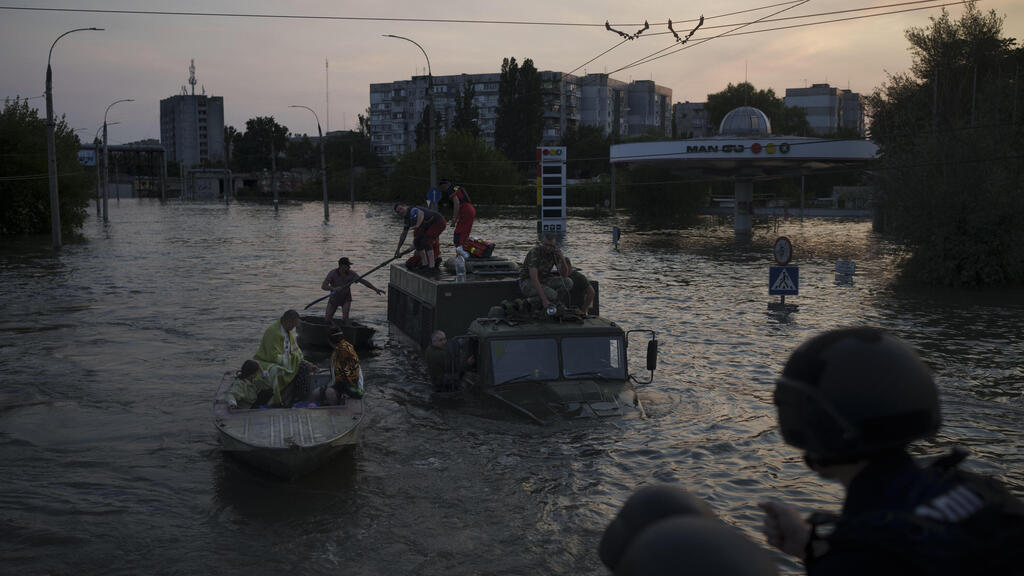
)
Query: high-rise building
[
  {"x": 604, "y": 104},
  {"x": 396, "y": 108},
  {"x": 192, "y": 126},
  {"x": 650, "y": 108},
  {"x": 828, "y": 108}
]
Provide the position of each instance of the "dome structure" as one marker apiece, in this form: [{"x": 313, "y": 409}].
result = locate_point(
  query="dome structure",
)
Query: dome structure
[{"x": 745, "y": 121}]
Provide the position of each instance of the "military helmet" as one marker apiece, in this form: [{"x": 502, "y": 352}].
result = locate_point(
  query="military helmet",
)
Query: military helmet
[{"x": 854, "y": 392}]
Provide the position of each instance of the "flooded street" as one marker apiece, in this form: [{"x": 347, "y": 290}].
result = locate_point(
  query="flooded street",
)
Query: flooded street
[{"x": 111, "y": 350}]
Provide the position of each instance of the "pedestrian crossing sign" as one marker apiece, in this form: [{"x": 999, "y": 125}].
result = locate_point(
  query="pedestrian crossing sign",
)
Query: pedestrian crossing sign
[{"x": 784, "y": 280}]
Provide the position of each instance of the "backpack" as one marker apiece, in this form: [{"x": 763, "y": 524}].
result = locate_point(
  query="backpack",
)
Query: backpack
[{"x": 962, "y": 523}]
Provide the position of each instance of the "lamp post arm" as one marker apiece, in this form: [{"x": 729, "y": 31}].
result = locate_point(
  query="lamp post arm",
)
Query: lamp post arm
[{"x": 323, "y": 159}]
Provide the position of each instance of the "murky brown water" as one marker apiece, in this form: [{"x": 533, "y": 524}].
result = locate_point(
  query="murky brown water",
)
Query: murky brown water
[{"x": 110, "y": 353}]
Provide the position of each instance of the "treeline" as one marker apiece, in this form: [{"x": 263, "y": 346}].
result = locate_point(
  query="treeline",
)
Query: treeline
[{"x": 950, "y": 132}]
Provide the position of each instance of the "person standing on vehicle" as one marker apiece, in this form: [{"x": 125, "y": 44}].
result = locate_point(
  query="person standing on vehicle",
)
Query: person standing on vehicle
[
  {"x": 427, "y": 225},
  {"x": 339, "y": 282},
  {"x": 463, "y": 212},
  {"x": 852, "y": 400}
]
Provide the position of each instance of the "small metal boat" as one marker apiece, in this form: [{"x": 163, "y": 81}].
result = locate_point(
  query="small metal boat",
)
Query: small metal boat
[
  {"x": 317, "y": 336},
  {"x": 287, "y": 442}
]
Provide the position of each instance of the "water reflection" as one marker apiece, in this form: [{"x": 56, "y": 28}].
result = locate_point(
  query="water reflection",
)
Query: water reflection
[{"x": 110, "y": 352}]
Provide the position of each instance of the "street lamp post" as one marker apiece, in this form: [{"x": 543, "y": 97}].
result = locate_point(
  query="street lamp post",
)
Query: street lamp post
[
  {"x": 106, "y": 157},
  {"x": 323, "y": 159},
  {"x": 430, "y": 119},
  {"x": 51, "y": 144},
  {"x": 99, "y": 181}
]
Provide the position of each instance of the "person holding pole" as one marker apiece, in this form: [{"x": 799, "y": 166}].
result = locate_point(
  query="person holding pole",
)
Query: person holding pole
[
  {"x": 427, "y": 225},
  {"x": 338, "y": 282}
]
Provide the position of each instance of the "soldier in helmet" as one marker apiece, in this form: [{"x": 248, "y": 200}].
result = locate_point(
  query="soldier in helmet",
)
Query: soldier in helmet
[{"x": 852, "y": 400}]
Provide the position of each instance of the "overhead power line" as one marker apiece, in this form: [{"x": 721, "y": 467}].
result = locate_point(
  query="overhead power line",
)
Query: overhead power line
[{"x": 734, "y": 32}]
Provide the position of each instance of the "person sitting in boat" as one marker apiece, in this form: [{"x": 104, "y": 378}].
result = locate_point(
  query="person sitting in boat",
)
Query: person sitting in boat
[
  {"x": 427, "y": 225},
  {"x": 536, "y": 279},
  {"x": 251, "y": 388},
  {"x": 348, "y": 376},
  {"x": 582, "y": 293},
  {"x": 279, "y": 354},
  {"x": 339, "y": 282}
]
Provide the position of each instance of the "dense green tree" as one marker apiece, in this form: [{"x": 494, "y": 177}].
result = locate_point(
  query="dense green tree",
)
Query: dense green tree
[
  {"x": 488, "y": 175},
  {"x": 950, "y": 185},
  {"x": 785, "y": 119},
  {"x": 519, "y": 126},
  {"x": 262, "y": 134},
  {"x": 587, "y": 152},
  {"x": 24, "y": 182},
  {"x": 466, "y": 113},
  {"x": 422, "y": 129}
]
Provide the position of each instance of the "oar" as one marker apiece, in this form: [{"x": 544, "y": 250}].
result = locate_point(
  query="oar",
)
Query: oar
[{"x": 360, "y": 277}]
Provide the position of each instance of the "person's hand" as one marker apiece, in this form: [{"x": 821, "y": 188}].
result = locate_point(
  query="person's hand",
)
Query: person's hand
[
  {"x": 785, "y": 528},
  {"x": 398, "y": 252},
  {"x": 380, "y": 292}
]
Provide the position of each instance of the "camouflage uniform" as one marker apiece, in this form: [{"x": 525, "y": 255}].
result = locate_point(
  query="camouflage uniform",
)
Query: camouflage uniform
[{"x": 543, "y": 258}]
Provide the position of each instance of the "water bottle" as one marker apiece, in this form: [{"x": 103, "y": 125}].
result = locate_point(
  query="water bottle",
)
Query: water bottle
[{"x": 460, "y": 265}]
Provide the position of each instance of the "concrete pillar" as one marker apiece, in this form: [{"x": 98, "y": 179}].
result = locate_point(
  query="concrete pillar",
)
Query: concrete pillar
[{"x": 744, "y": 207}]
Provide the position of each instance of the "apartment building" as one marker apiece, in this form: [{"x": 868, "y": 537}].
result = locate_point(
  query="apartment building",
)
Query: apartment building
[
  {"x": 692, "y": 120},
  {"x": 828, "y": 108},
  {"x": 192, "y": 128},
  {"x": 568, "y": 102}
]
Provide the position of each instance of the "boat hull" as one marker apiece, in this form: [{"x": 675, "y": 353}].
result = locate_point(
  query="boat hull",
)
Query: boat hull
[{"x": 287, "y": 442}]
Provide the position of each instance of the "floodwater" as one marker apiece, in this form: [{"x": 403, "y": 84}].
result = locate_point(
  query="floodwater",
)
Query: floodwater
[{"x": 111, "y": 350}]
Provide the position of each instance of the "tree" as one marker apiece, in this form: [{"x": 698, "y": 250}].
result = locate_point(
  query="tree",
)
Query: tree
[
  {"x": 588, "y": 152},
  {"x": 784, "y": 119},
  {"x": 949, "y": 187},
  {"x": 24, "y": 183},
  {"x": 364, "y": 123},
  {"x": 519, "y": 126},
  {"x": 423, "y": 127},
  {"x": 466, "y": 113},
  {"x": 486, "y": 172},
  {"x": 262, "y": 134}
]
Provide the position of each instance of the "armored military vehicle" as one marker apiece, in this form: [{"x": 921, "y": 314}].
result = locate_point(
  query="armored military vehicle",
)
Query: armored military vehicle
[
  {"x": 544, "y": 366},
  {"x": 550, "y": 367}
]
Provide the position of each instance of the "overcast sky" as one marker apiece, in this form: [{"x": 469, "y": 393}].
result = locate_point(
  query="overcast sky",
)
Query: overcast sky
[{"x": 262, "y": 65}]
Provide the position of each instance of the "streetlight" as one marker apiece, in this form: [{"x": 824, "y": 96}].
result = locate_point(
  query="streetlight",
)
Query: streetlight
[
  {"x": 106, "y": 163},
  {"x": 96, "y": 153},
  {"x": 430, "y": 119},
  {"x": 51, "y": 145},
  {"x": 323, "y": 159}
]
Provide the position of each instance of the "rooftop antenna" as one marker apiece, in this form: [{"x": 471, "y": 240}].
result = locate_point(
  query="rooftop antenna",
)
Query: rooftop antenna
[{"x": 192, "y": 75}]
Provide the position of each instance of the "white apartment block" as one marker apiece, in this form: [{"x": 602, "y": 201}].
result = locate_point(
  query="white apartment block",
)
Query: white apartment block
[{"x": 828, "y": 108}]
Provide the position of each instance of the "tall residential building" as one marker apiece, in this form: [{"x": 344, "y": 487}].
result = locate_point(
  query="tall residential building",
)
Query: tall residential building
[
  {"x": 192, "y": 128},
  {"x": 692, "y": 120},
  {"x": 192, "y": 125},
  {"x": 828, "y": 108},
  {"x": 650, "y": 108},
  {"x": 604, "y": 104},
  {"x": 568, "y": 102}
]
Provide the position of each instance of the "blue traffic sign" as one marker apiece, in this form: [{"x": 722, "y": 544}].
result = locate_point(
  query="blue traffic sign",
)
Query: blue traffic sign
[{"x": 784, "y": 280}]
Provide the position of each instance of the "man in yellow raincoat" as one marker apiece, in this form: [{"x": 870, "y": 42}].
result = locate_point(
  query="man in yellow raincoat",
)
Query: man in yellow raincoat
[{"x": 279, "y": 354}]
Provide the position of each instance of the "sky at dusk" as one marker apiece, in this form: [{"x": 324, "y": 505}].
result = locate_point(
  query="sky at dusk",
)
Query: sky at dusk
[{"x": 262, "y": 65}]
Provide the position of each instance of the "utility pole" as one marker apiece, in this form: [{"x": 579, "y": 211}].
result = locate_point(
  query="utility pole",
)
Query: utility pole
[{"x": 51, "y": 145}]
